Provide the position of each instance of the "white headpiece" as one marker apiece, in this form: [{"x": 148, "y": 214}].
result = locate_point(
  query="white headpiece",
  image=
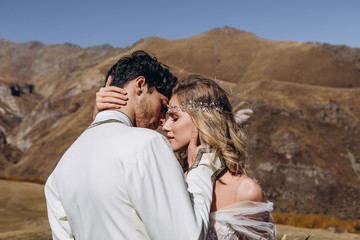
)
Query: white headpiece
[{"x": 195, "y": 106}]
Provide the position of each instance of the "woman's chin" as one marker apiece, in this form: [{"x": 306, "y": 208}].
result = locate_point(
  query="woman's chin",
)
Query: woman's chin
[
  {"x": 176, "y": 149},
  {"x": 179, "y": 148}
]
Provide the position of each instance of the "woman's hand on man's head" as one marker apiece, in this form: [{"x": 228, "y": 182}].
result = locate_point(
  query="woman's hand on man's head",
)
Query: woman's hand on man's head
[{"x": 109, "y": 97}]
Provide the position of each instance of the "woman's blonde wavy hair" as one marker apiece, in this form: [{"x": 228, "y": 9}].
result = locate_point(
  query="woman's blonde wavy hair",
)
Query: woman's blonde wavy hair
[{"x": 216, "y": 128}]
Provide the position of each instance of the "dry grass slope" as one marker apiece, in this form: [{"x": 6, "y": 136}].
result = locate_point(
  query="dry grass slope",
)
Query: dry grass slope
[
  {"x": 23, "y": 216},
  {"x": 23, "y": 211},
  {"x": 316, "y": 221}
]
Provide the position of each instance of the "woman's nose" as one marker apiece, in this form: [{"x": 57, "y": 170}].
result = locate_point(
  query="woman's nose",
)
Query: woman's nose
[{"x": 166, "y": 125}]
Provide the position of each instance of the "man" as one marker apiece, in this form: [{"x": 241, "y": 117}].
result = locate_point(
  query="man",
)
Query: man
[{"x": 120, "y": 180}]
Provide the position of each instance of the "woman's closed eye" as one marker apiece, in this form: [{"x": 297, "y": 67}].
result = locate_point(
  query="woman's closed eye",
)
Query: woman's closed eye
[{"x": 173, "y": 117}]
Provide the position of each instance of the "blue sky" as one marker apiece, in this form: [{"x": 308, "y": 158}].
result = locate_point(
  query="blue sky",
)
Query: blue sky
[{"x": 122, "y": 23}]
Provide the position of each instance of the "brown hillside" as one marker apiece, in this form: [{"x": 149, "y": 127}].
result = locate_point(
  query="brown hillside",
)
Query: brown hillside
[
  {"x": 294, "y": 140},
  {"x": 38, "y": 84},
  {"x": 303, "y": 136},
  {"x": 241, "y": 57}
]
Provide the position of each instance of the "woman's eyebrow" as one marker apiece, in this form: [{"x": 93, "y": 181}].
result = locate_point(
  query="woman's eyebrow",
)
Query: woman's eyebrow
[{"x": 172, "y": 113}]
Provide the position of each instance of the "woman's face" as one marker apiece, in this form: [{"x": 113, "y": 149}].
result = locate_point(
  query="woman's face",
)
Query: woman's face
[{"x": 178, "y": 126}]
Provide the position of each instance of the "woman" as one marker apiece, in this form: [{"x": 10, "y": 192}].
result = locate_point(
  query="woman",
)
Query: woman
[{"x": 239, "y": 209}]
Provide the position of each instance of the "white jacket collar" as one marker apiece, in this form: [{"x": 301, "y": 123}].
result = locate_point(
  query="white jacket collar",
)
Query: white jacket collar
[{"x": 113, "y": 114}]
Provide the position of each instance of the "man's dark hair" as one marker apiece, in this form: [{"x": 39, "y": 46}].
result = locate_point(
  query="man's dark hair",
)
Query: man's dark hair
[{"x": 140, "y": 63}]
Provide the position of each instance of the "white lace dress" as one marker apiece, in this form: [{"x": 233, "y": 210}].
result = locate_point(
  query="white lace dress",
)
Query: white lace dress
[{"x": 244, "y": 220}]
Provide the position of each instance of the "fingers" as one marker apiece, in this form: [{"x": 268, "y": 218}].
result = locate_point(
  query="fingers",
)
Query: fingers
[
  {"x": 112, "y": 94},
  {"x": 105, "y": 106},
  {"x": 108, "y": 82},
  {"x": 193, "y": 146},
  {"x": 103, "y": 103},
  {"x": 112, "y": 91},
  {"x": 110, "y": 97},
  {"x": 194, "y": 137},
  {"x": 110, "y": 100}
]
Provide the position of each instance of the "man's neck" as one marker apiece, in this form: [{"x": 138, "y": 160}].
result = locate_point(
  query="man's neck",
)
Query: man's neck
[
  {"x": 129, "y": 108},
  {"x": 130, "y": 114}
]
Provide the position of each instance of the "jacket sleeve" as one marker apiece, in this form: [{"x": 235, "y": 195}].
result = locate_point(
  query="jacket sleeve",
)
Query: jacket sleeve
[
  {"x": 168, "y": 208},
  {"x": 57, "y": 217}
]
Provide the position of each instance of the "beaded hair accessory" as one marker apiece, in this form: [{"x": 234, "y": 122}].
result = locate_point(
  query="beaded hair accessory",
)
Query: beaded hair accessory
[{"x": 195, "y": 106}]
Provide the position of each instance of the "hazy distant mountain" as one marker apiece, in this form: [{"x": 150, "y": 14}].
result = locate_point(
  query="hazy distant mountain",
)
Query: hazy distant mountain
[{"x": 303, "y": 136}]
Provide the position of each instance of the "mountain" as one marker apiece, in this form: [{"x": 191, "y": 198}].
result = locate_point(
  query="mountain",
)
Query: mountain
[{"x": 303, "y": 136}]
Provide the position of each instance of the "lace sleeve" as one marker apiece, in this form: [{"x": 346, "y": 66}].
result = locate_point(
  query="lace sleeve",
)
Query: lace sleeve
[{"x": 244, "y": 220}]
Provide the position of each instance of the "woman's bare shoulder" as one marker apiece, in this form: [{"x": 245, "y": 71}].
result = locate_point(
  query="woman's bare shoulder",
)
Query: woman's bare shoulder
[{"x": 249, "y": 190}]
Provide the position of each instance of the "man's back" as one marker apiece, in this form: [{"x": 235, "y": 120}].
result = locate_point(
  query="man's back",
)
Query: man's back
[
  {"x": 121, "y": 182},
  {"x": 93, "y": 187}
]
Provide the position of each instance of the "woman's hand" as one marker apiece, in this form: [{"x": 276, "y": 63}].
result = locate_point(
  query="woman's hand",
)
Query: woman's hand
[
  {"x": 109, "y": 97},
  {"x": 194, "y": 146}
]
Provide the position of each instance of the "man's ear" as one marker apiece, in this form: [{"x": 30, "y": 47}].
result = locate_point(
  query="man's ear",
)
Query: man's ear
[{"x": 140, "y": 85}]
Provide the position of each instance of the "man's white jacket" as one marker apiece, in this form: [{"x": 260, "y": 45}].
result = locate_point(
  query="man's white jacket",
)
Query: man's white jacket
[{"x": 122, "y": 182}]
